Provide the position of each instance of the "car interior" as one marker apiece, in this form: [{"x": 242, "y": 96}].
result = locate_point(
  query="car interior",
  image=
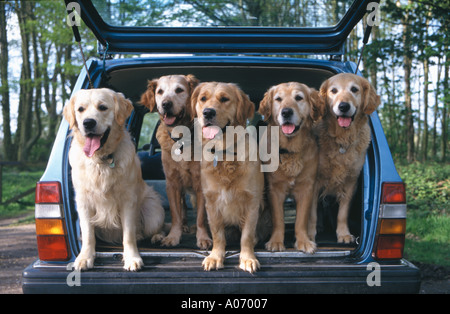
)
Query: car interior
[{"x": 254, "y": 80}]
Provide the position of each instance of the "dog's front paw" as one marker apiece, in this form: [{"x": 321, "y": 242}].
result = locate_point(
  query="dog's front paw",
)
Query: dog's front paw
[
  {"x": 249, "y": 264},
  {"x": 172, "y": 239},
  {"x": 133, "y": 263},
  {"x": 275, "y": 246},
  {"x": 83, "y": 262},
  {"x": 157, "y": 238},
  {"x": 345, "y": 238},
  {"x": 212, "y": 262},
  {"x": 203, "y": 240},
  {"x": 306, "y": 246}
]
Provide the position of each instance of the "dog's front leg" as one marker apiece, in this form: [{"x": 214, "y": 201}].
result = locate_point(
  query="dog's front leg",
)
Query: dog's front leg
[
  {"x": 203, "y": 239},
  {"x": 216, "y": 258},
  {"x": 276, "y": 197},
  {"x": 85, "y": 259},
  {"x": 312, "y": 223},
  {"x": 173, "y": 190},
  {"x": 303, "y": 196},
  {"x": 342, "y": 230},
  {"x": 247, "y": 258},
  {"x": 132, "y": 259}
]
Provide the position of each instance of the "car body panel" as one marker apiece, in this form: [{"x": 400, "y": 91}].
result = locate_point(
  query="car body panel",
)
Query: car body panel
[{"x": 179, "y": 271}]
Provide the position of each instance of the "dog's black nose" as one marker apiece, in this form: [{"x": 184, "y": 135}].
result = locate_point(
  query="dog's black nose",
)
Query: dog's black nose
[
  {"x": 344, "y": 107},
  {"x": 167, "y": 105},
  {"x": 287, "y": 112},
  {"x": 209, "y": 113},
  {"x": 89, "y": 124}
]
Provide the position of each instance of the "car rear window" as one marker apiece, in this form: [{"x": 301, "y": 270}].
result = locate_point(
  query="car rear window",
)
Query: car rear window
[{"x": 220, "y": 13}]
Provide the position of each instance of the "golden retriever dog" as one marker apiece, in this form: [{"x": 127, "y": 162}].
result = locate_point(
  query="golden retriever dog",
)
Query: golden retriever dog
[
  {"x": 291, "y": 107},
  {"x": 233, "y": 186},
  {"x": 170, "y": 96},
  {"x": 113, "y": 201},
  {"x": 344, "y": 135}
]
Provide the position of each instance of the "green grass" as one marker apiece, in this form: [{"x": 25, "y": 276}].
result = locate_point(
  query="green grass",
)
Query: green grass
[
  {"x": 14, "y": 182},
  {"x": 428, "y": 216}
]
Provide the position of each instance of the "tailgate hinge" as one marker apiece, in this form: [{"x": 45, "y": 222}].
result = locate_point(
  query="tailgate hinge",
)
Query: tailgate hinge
[{"x": 336, "y": 58}]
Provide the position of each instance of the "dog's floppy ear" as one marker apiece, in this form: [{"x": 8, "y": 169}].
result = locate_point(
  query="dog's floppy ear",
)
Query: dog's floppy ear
[
  {"x": 317, "y": 104},
  {"x": 245, "y": 107},
  {"x": 322, "y": 105},
  {"x": 69, "y": 112},
  {"x": 371, "y": 99},
  {"x": 122, "y": 109},
  {"x": 265, "y": 106},
  {"x": 192, "y": 83},
  {"x": 194, "y": 98},
  {"x": 148, "y": 97}
]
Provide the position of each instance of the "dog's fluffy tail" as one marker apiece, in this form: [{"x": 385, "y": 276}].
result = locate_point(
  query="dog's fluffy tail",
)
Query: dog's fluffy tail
[{"x": 152, "y": 216}]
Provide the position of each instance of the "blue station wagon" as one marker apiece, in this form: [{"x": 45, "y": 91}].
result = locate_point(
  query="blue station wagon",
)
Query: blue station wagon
[{"x": 255, "y": 58}]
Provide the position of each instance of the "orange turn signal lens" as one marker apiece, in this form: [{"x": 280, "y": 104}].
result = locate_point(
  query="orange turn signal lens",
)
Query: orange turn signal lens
[
  {"x": 50, "y": 227},
  {"x": 393, "y": 226}
]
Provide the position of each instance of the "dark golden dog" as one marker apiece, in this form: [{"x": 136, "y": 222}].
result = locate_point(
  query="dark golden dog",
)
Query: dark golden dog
[{"x": 233, "y": 187}]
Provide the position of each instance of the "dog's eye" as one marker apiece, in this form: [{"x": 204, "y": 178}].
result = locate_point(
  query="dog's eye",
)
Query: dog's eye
[
  {"x": 102, "y": 108},
  {"x": 334, "y": 90},
  {"x": 354, "y": 89},
  {"x": 298, "y": 98},
  {"x": 279, "y": 99},
  {"x": 81, "y": 109},
  {"x": 160, "y": 92},
  {"x": 203, "y": 99},
  {"x": 224, "y": 99},
  {"x": 179, "y": 90}
]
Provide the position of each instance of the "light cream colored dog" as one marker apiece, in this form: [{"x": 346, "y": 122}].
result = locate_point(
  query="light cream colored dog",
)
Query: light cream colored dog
[
  {"x": 113, "y": 201},
  {"x": 344, "y": 135},
  {"x": 291, "y": 107}
]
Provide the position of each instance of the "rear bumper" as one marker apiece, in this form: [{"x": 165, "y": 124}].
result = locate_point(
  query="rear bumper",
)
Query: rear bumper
[{"x": 184, "y": 275}]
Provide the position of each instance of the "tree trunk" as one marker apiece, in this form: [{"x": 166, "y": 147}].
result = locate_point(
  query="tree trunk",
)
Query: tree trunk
[
  {"x": 444, "y": 143},
  {"x": 425, "y": 104},
  {"x": 24, "y": 121},
  {"x": 407, "y": 65},
  {"x": 8, "y": 146},
  {"x": 436, "y": 106}
]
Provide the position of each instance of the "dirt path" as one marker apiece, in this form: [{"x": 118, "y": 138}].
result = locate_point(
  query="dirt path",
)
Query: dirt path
[{"x": 18, "y": 250}]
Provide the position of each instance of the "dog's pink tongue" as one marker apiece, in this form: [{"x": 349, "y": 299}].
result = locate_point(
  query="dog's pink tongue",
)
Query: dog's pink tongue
[
  {"x": 169, "y": 120},
  {"x": 210, "y": 132},
  {"x": 288, "y": 128},
  {"x": 91, "y": 145},
  {"x": 344, "y": 122}
]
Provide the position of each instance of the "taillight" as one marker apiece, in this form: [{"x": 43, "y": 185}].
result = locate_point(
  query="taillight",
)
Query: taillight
[
  {"x": 391, "y": 230},
  {"x": 50, "y": 224}
]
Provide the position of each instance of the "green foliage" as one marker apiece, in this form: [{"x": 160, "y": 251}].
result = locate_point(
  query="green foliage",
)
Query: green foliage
[
  {"x": 428, "y": 217},
  {"x": 428, "y": 186},
  {"x": 16, "y": 181}
]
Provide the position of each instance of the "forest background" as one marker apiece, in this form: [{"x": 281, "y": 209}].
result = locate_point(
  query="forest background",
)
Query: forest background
[{"x": 407, "y": 60}]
